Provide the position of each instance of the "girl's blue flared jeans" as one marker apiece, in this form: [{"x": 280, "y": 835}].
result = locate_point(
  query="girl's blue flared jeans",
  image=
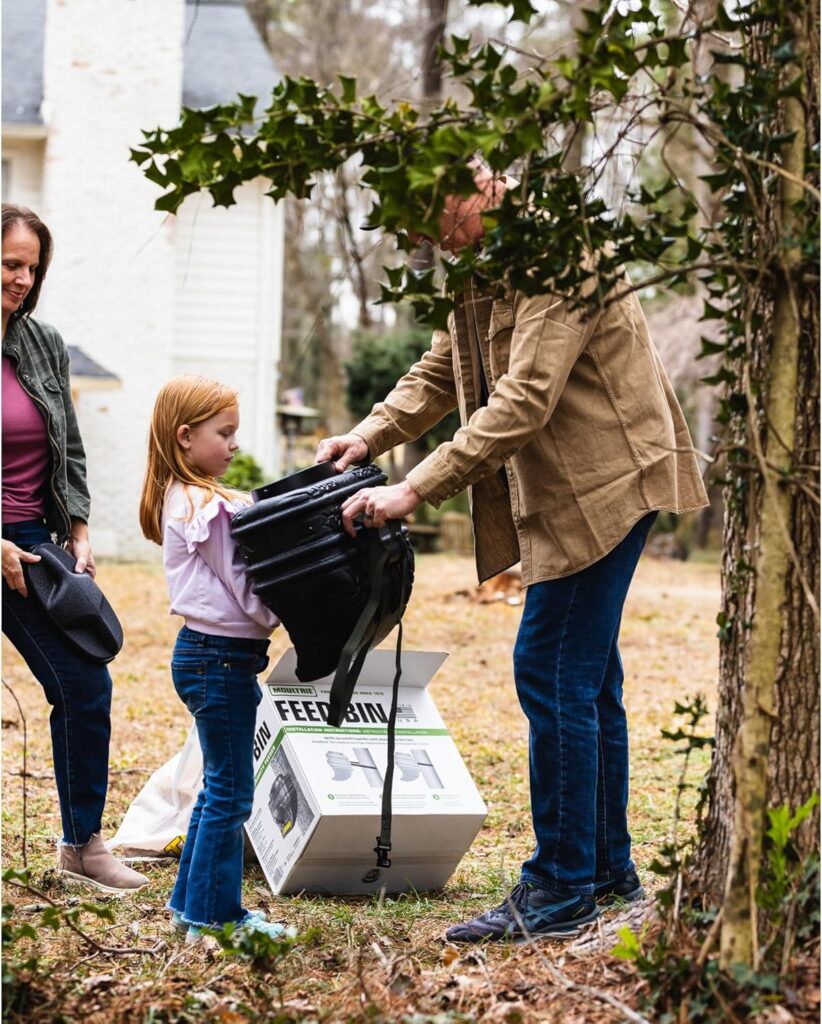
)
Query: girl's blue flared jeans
[
  {"x": 216, "y": 678},
  {"x": 79, "y": 691},
  {"x": 568, "y": 675}
]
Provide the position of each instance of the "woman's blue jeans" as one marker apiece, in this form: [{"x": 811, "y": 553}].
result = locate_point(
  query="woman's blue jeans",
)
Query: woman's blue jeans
[
  {"x": 79, "y": 691},
  {"x": 568, "y": 675},
  {"x": 216, "y": 678}
]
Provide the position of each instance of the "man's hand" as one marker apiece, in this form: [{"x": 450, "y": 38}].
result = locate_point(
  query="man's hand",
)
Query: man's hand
[
  {"x": 80, "y": 549},
  {"x": 379, "y": 504},
  {"x": 13, "y": 557},
  {"x": 344, "y": 449}
]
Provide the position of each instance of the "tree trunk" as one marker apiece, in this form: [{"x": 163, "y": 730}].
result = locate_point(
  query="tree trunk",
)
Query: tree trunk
[
  {"x": 767, "y": 738},
  {"x": 436, "y": 11},
  {"x": 575, "y": 135},
  {"x": 258, "y": 11},
  {"x": 348, "y": 246}
]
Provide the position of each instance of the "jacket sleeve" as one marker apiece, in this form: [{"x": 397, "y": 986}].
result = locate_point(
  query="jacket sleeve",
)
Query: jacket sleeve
[
  {"x": 79, "y": 500},
  {"x": 421, "y": 398},
  {"x": 547, "y": 339}
]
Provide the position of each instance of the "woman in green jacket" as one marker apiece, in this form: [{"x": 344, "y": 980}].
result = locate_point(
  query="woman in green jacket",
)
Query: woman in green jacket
[{"x": 45, "y": 497}]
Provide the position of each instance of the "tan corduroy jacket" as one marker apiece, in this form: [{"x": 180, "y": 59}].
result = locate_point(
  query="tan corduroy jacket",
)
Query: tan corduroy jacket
[{"x": 581, "y": 436}]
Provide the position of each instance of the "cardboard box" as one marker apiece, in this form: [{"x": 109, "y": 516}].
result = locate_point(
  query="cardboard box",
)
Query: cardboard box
[{"x": 318, "y": 789}]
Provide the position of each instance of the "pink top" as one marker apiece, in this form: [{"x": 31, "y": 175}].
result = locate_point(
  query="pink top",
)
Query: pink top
[
  {"x": 26, "y": 452},
  {"x": 206, "y": 580}
]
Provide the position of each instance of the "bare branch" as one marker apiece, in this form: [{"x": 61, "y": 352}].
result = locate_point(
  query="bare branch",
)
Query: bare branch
[
  {"x": 95, "y": 945},
  {"x": 24, "y": 773}
]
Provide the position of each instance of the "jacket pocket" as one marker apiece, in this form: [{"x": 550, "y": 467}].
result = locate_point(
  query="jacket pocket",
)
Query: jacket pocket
[
  {"x": 54, "y": 385},
  {"x": 500, "y": 329}
]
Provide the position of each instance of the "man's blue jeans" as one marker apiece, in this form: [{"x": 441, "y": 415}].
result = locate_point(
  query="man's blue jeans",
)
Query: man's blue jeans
[
  {"x": 568, "y": 675},
  {"x": 79, "y": 691},
  {"x": 216, "y": 678}
]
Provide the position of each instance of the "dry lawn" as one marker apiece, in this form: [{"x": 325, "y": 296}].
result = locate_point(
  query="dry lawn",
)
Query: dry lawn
[{"x": 373, "y": 960}]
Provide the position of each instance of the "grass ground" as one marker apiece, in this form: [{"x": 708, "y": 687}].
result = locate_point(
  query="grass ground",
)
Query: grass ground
[{"x": 370, "y": 959}]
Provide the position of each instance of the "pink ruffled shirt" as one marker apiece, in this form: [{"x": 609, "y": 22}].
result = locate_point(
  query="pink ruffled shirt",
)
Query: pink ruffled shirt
[{"x": 206, "y": 580}]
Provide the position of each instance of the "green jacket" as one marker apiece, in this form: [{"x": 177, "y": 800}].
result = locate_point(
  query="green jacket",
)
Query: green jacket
[{"x": 42, "y": 364}]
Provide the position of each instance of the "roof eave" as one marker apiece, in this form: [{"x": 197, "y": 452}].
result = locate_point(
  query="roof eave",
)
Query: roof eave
[
  {"x": 79, "y": 382},
  {"x": 21, "y": 130}
]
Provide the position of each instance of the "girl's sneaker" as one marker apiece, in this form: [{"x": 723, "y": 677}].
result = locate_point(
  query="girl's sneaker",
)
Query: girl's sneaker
[
  {"x": 256, "y": 924},
  {"x": 255, "y": 921},
  {"x": 194, "y": 935},
  {"x": 177, "y": 922}
]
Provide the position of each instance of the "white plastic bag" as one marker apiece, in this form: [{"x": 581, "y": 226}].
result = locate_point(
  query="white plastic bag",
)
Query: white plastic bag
[{"x": 156, "y": 822}]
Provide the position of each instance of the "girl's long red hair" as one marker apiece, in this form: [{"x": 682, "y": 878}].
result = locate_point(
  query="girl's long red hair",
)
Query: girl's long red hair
[{"x": 189, "y": 399}]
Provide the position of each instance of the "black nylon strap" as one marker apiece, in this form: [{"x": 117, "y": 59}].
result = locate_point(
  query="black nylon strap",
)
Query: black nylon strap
[
  {"x": 345, "y": 678},
  {"x": 348, "y": 672},
  {"x": 383, "y": 847}
]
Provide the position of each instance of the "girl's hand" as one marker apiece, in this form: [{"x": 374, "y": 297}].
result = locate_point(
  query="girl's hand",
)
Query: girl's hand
[
  {"x": 79, "y": 547},
  {"x": 379, "y": 504},
  {"x": 12, "y": 559}
]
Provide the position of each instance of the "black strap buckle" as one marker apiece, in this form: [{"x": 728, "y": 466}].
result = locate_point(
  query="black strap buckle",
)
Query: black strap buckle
[{"x": 382, "y": 850}]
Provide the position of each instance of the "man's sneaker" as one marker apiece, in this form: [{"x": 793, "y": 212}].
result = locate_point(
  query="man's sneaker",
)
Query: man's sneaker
[
  {"x": 528, "y": 911},
  {"x": 625, "y": 889},
  {"x": 95, "y": 865}
]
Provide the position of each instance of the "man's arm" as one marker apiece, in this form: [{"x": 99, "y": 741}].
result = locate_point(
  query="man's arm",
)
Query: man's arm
[
  {"x": 547, "y": 340},
  {"x": 420, "y": 399}
]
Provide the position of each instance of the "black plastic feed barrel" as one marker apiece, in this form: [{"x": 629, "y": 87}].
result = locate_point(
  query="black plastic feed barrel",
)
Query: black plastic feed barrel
[{"x": 315, "y": 577}]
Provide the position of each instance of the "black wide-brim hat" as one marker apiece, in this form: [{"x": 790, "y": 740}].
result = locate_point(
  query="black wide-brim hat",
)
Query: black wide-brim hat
[{"x": 75, "y": 604}]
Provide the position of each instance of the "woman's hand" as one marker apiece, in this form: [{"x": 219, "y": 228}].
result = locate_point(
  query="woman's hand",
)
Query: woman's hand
[
  {"x": 80, "y": 549},
  {"x": 13, "y": 557},
  {"x": 345, "y": 449},
  {"x": 379, "y": 504}
]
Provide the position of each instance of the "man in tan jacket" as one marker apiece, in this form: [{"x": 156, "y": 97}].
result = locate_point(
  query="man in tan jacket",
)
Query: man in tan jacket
[{"x": 571, "y": 441}]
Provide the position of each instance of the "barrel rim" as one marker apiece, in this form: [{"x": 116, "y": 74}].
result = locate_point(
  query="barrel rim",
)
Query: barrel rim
[{"x": 295, "y": 481}]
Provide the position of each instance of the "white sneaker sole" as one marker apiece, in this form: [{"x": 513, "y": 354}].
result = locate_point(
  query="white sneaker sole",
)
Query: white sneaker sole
[
  {"x": 207, "y": 942},
  {"x": 75, "y": 879}
]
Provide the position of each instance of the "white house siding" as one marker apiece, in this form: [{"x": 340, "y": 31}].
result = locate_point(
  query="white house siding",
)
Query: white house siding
[
  {"x": 227, "y": 315},
  {"x": 23, "y": 171},
  {"x": 145, "y": 295},
  {"x": 110, "y": 70}
]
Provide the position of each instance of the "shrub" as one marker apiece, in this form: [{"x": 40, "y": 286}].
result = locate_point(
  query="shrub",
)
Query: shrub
[
  {"x": 244, "y": 473},
  {"x": 377, "y": 363}
]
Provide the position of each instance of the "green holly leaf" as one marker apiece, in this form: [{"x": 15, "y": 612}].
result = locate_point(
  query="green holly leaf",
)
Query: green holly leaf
[
  {"x": 170, "y": 202},
  {"x": 156, "y": 174},
  {"x": 711, "y": 348},
  {"x": 349, "y": 89},
  {"x": 521, "y": 10}
]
